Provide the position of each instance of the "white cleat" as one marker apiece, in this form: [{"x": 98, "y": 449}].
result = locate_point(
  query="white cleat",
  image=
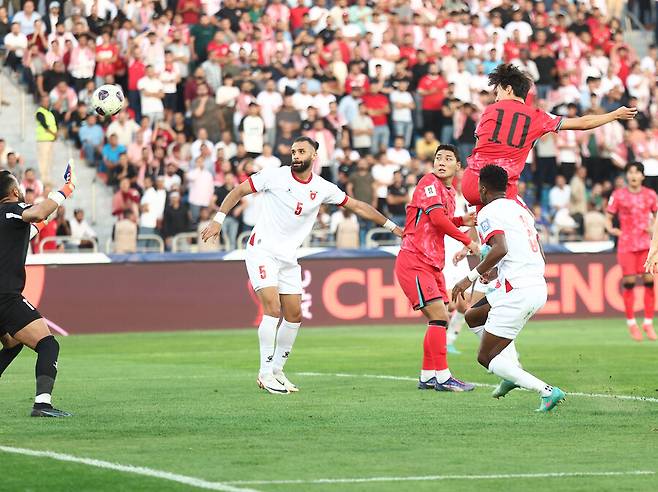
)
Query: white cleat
[
  {"x": 271, "y": 385},
  {"x": 281, "y": 378}
]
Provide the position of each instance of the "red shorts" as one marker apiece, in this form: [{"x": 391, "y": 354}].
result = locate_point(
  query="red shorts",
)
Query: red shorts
[
  {"x": 632, "y": 262},
  {"x": 420, "y": 282},
  {"x": 470, "y": 187}
]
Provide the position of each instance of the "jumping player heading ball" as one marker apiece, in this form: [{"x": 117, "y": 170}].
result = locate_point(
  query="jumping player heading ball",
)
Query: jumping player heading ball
[{"x": 509, "y": 128}]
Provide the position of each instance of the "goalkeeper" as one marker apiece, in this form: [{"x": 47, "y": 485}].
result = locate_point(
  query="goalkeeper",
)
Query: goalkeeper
[{"x": 20, "y": 322}]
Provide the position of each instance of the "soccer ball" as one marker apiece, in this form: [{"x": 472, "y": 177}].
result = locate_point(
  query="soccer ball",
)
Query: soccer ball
[{"x": 107, "y": 100}]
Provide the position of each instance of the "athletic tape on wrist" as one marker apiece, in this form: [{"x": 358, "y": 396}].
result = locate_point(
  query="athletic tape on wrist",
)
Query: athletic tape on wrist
[
  {"x": 57, "y": 197},
  {"x": 219, "y": 217},
  {"x": 389, "y": 225},
  {"x": 473, "y": 275}
]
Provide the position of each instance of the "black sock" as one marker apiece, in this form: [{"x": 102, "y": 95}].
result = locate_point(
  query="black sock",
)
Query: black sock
[
  {"x": 7, "y": 355},
  {"x": 46, "y": 368}
]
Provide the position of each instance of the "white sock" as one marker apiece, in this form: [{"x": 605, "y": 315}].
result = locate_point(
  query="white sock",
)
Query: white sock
[
  {"x": 426, "y": 375},
  {"x": 506, "y": 369},
  {"x": 443, "y": 375},
  {"x": 285, "y": 338},
  {"x": 266, "y": 337},
  {"x": 631, "y": 322},
  {"x": 477, "y": 331},
  {"x": 648, "y": 321},
  {"x": 510, "y": 353},
  {"x": 454, "y": 326},
  {"x": 43, "y": 398}
]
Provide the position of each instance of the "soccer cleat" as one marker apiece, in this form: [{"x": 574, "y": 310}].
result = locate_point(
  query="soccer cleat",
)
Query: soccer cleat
[
  {"x": 430, "y": 384},
  {"x": 503, "y": 388},
  {"x": 281, "y": 378},
  {"x": 46, "y": 410},
  {"x": 454, "y": 385},
  {"x": 635, "y": 332},
  {"x": 648, "y": 329},
  {"x": 271, "y": 385},
  {"x": 548, "y": 403},
  {"x": 453, "y": 350}
]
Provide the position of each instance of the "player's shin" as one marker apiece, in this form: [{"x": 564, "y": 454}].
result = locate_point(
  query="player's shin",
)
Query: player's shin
[
  {"x": 435, "y": 338},
  {"x": 46, "y": 368},
  {"x": 7, "y": 355},
  {"x": 649, "y": 302},
  {"x": 285, "y": 338},
  {"x": 266, "y": 338},
  {"x": 629, "y": 299},
  {"x": 505, "y": 368}
]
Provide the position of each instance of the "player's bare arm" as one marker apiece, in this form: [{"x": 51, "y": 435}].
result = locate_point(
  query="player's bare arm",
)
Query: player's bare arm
[
  {"x": 612, "y": 230},
  {"x": 368, "y": 212},
  {"x": 591, "y": 121},
  {"x": 450, "y": 227},
  {"x": 498, "y": 251},
  {"x": 232, "y": 199},
  {"x": 651, "y": 265}
]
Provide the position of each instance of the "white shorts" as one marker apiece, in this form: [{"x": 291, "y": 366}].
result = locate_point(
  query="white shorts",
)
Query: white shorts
[
  {"x": 510, "y": 311},
  {"x": 268, "y": 270}
]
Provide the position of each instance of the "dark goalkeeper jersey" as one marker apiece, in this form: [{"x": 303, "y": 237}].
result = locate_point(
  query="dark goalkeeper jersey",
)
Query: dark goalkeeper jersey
[{"x": 14, "y": 241}]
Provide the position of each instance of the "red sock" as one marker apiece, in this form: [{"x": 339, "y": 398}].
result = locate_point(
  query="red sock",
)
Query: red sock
[
  {"x": 629, "y": 299},
  {"x": 649, "y": 301},
  {"x": 436, "y": 339},
  {"x": 428, "y": 356}
]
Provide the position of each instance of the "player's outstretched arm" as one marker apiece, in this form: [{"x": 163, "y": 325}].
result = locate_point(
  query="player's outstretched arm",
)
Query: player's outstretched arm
[
  {"x": 592, "y": 121},
  {"x": 441, "y": 221},
  {"x": 43, "y": 210},
  {"x": 368, "y": 212},
  {"x": 231, "y": 200},
  {"x": 651, "y": 265},
  {"x": 496, "y": 253},
  {"x": 612, "y": 230}
]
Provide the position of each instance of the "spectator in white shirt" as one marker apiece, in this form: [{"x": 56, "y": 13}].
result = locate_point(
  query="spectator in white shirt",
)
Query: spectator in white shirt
[
  {"x": 518, "y": 24},
  {"x": 270, "y": 101},
  {"x": 202, "y": 139},
  {"x": 227, "y": 145},
  {"x": 301, "y": 100},
  {"x": 402, "y": 104},
  {"x": 81, "y": 232},
  {"x": 383, "y": 173},
  {"x": 201, "y": 186},
  {"x": 252, "y": 131},
  {"x": 152, "y": 205},
  {"x": 15, "y": 45},
  {"x": 152, "y": 93},
  {"x": 26, "y": 17},
  {"x": 267, "y": 160},
  {"x": 398, "y": 154},
  {"x": 124, "y": 127}
]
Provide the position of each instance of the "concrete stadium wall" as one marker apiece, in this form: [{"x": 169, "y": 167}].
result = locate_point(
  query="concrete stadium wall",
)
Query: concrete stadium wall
[{"x": 213, "y": 295}]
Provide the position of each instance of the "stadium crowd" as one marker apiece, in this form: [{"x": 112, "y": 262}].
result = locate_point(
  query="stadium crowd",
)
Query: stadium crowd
[{"x": 218, "y": 90}]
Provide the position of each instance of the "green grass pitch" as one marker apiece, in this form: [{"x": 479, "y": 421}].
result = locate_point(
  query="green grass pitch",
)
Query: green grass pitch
[{"x": 187, "y": 403}]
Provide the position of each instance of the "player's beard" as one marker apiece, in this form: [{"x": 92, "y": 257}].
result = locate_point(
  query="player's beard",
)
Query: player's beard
[{"x": 302, "y": 166}]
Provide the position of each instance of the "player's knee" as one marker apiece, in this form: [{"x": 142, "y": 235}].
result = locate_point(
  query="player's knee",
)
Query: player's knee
[
  {"x": 293, "y": 316},
  {"x": 48, "y": 344},
  {"x": 469, "y": 317},
  {"x": 628, "y": 284},
  {"x": 483, "y": 359},
  {"x": 272, "y": 309}
]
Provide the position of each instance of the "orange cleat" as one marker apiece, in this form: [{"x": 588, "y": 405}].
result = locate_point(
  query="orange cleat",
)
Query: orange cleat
[
  {"x": 648, "y": 329},
  {"x": 635, "y": 332}
]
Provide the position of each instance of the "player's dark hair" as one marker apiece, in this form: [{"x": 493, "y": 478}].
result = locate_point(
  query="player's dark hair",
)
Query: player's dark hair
[
  {"x": 308, "y": 140},
  {"x": 637, "y": 165},
  {"x": 7, "y": 182},
  {"x": 507, "y": 74},
  {"x": 493, "y": 177},
  {"x": 449, "y": 147}
]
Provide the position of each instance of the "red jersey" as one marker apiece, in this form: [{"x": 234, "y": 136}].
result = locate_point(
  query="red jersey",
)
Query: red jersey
[
  {"x": 434, "y": 100},
  {"x": 634, "y": 211},
  {"x": 420, "y": 236},
  {"x": 506, "y": 134},
  {"x": 377, "y": 102}
]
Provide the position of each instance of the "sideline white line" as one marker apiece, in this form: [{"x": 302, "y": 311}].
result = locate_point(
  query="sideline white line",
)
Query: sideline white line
[
  {"x": 137, "y": 470},
  {"x": 647, "y": 399},
  {"x": 445, "y": 477}
]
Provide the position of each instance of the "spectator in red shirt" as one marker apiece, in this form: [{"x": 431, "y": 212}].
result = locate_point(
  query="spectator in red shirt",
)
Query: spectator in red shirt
[
  {"x": 190, "y": 9},
  {"x": 378, "y": 109},
  {"x": 136, "y": 70},
  {"x": 432, "y": 88},
  {"x": 126, "y": 198},
  {"x": 107, "y": 55}
]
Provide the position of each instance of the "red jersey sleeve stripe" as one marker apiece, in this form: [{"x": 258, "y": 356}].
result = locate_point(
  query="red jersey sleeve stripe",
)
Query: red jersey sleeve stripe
[
  {"x": 342, "y": 204},
  {"x": 559, "y": 124},
  {"x": 491, "y": 234},
  {"x": 251, "y": 183}
]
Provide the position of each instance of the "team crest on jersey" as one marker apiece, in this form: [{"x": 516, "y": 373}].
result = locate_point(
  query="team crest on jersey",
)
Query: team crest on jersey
[
  {"x": 313, "y": 195},
  {"x": 485, "y": 226},
  {"x": 430, "y": 191}
]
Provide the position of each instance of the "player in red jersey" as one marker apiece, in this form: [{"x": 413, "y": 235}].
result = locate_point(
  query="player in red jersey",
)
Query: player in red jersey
[
  {"x": 421, "y": 260},
  {"x": 509, "y": 128},
  {"x": 636, "y": 207}
]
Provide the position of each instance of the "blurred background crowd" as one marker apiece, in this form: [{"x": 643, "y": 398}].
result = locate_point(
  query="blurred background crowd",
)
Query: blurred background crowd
[{"x": 219, "y": 89}]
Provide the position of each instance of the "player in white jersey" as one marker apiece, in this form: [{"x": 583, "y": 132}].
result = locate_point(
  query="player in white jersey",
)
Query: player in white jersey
[
  {"x": 291, "y": 199},
  {"x": 520, "y": 289}
]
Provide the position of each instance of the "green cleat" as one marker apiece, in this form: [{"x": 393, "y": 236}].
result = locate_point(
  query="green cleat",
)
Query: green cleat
[
  {"x": 503, "y": 388},
  {"x": 548, "y": 403}
]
